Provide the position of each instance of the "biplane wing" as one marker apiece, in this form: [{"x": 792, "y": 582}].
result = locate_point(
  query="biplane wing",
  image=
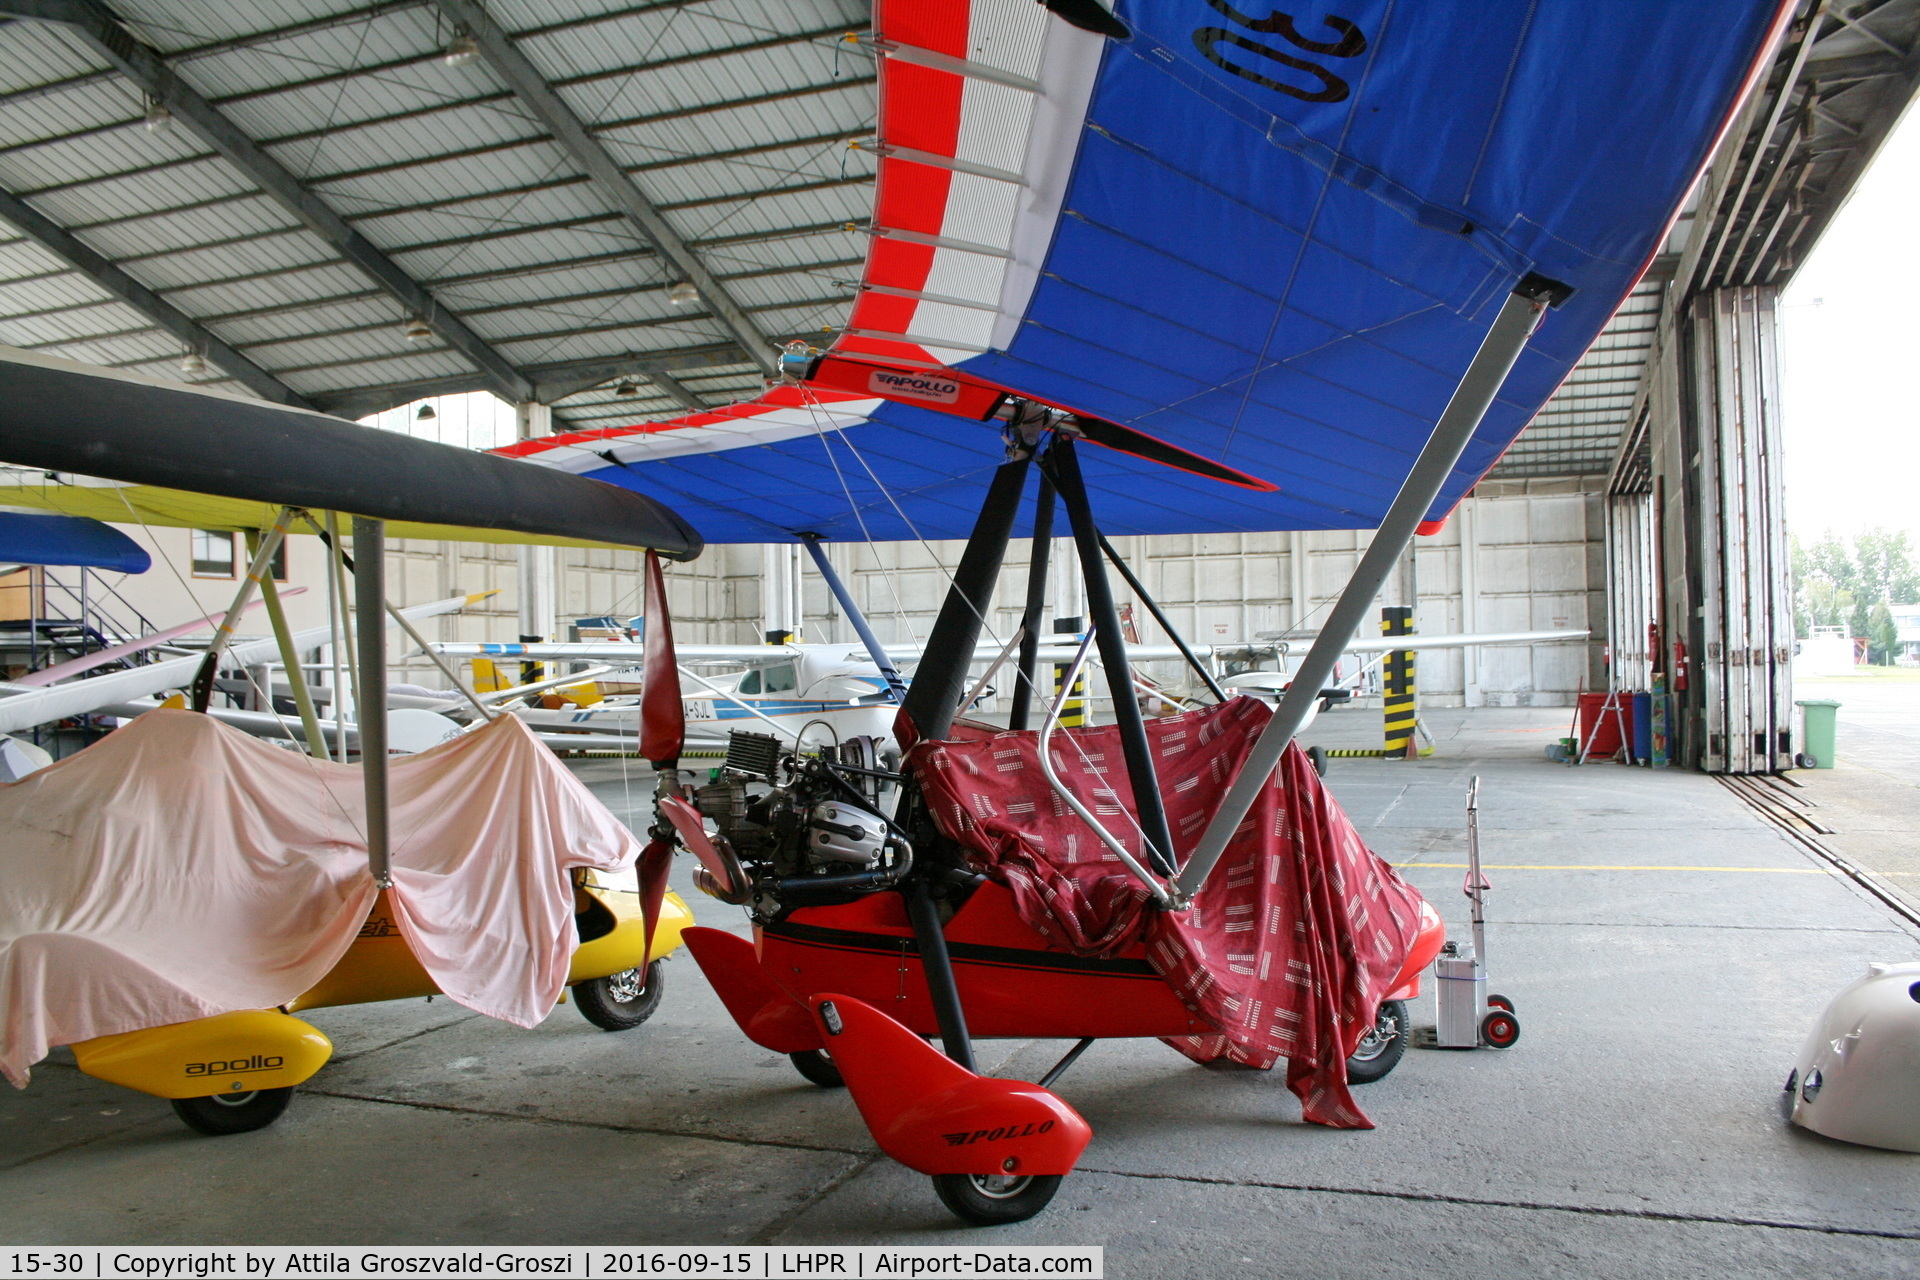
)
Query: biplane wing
[
  {"x": 114, "y": 446},
  {"x": 1271, "y": 241}
]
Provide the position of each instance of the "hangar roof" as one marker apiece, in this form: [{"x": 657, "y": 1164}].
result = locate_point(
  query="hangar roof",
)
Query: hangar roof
[
  {"x": 285, "y": 188},
  {"x": 281, "y": 186}
]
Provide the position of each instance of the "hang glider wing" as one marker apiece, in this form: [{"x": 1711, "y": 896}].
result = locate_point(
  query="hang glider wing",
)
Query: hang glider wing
[
  {"x": 1269, "y": 241},
  {"x": 200, "y": 450},
  {"x": 32, "y": 537}
]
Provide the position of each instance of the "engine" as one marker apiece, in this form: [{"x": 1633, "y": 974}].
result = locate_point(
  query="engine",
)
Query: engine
[{"x": 802, "y": 828}]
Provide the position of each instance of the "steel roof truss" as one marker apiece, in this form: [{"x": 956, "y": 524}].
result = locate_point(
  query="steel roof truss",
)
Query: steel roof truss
[
  {"x": 586, "y": 151},
  {"x": 145, "y": 67},
  {"x": 58, "y": 240}
]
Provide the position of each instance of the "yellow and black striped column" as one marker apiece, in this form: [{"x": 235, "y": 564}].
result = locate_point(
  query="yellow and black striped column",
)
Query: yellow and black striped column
[
  {"x": 1396, "y": 683},
  {"x": 1074, "y": 714}
]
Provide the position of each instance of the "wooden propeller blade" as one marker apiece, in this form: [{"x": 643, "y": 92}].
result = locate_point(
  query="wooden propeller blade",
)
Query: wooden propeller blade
[
  {"x": 1141, "y": 445},
  {"x": 663, "y": 717}
]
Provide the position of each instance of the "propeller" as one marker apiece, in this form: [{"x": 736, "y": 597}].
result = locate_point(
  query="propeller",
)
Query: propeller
[
  {"x": 1141, "y": 445},
  {"x": 663, "y": 717},
  {"x": 663, "y": 733}
]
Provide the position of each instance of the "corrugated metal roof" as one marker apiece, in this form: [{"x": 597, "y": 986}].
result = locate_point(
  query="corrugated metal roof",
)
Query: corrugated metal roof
[{"x": 731, "y": 116}]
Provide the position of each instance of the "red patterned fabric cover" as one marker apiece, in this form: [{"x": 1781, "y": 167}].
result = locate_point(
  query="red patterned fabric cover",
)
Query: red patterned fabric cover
[{"x": 1288, "y": 948}]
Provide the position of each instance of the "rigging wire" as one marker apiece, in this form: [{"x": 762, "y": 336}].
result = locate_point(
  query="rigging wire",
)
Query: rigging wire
[
  {"x": 816, "y": 411},
  {"x": 1072, "y": 737},
  {"x": 120, "y": 492}
]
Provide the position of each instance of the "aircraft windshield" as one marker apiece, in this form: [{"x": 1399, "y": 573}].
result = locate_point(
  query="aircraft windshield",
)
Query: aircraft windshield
[{"x": 778, "y": 679}]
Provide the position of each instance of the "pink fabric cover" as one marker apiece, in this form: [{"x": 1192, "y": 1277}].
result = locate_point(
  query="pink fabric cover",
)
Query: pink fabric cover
[
  {"x": 1290, "y": 946},
  {"x": 179, "y": 868}
]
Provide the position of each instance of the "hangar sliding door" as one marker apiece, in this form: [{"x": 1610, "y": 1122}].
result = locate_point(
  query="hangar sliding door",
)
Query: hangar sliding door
[{"x": 1742, "y": 610}]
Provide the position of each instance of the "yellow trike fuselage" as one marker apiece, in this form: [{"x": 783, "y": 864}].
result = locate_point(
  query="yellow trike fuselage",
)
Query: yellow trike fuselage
[{"x": 270, "y": 1049}]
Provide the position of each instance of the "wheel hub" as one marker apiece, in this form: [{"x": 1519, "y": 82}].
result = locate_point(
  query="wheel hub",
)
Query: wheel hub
[
  {"x": 626, "y": 987},
  {"x": 1378, "y": 1037},
  {"x": 999, "y": 1186}
]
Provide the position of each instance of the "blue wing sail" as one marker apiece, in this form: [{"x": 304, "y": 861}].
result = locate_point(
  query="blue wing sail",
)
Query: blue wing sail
[{"x": 1271, "y": 238}]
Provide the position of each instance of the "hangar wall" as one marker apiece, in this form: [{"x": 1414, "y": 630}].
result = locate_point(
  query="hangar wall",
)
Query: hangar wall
[{"x": 1518, "y": 555}]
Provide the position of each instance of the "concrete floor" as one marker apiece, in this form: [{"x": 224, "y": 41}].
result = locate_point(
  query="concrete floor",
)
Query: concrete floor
[
  {"x": 1871, "y": 797},
  {"x": 1666, "y": 949}
]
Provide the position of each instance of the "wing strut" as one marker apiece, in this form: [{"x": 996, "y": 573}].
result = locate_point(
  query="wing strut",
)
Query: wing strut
[
  {"x": 896, "y": 687},
  {"x": 369, "y": 615},
  {"x": 1518, "y": 318}
]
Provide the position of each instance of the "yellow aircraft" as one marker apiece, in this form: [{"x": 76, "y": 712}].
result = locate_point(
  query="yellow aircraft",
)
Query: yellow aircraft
[{"x": 237, "y": 1071}]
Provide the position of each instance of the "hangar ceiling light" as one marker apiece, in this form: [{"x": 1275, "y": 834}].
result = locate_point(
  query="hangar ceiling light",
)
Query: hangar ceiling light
[{"x": 461, "y": 50}]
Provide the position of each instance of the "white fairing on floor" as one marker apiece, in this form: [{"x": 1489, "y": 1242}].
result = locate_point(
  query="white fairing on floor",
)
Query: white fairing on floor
[{"x": 1858, "y": 1075}]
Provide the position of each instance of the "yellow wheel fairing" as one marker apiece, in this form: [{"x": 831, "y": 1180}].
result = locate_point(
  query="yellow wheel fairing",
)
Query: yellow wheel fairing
[
  {"x": 625, "y": 946},
  {"x": 230, "y": 1053}
]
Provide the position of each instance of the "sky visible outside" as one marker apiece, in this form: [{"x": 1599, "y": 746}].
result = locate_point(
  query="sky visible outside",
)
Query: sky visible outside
[
  {"x": 476, "y": 420},
  {"x": 1850, "y": 358}
]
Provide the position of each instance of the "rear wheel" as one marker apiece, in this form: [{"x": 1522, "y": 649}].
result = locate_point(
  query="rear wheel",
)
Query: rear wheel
[
  {"x": 226, "y": 1113},
  {"x": 621, "y": 1001},
  {"x": 817, "y": 1066},
  {"x": 992, "y": 1199},
  {"x": 1318, "y": 759},
  {"x": 1379, "y": 1051}
]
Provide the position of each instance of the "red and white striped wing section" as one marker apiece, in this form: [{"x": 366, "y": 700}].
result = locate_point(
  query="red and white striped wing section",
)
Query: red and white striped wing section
[
  {"x": 781, "y": 413},
  {"x": 981, "y": 108}
]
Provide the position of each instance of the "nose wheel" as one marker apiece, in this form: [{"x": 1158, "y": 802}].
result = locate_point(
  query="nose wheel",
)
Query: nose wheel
[
  {"x": 817, "y": 1066},
  {"x": 1379, "y": 1050},
  {"x": 221, "y": 1114},
  {"x": 992, "y": 1199}
]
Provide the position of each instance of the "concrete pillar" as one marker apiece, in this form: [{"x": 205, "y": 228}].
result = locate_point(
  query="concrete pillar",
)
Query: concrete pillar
[
  {"x": 1297, "y": 573},
  {"x": 539, "y": 581},
  {"x": 1470, "y": 694},
  {"x": 780, "y": 599}
]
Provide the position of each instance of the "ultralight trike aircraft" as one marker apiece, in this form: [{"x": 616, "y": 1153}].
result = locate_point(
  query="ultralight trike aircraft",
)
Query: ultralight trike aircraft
[{"x": 1289, "y": 271}]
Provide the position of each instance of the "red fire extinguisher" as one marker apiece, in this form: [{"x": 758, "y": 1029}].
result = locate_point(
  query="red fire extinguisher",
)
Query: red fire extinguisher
[{"x": 1679, "y": 664}]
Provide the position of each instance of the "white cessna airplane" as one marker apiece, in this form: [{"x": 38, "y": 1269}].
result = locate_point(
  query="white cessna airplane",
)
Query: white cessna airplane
[{"x": 838, "y": 691}]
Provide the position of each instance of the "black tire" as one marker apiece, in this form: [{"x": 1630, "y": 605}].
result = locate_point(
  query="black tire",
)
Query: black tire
[
  {"x": 1500, "y": 1029},
  {"x": 817, "y": 1066},
  {"x": 616, "y": 1002},
  {"x": 227, "y": 1113},
  {"x": 1317, "y": 757},
  {"x": 1500, "y": 1002},
  {"x": 1380, "y": 1052},
  {"x": 1805, "y": 760},
  {"x": 990, "y": 1200}
]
